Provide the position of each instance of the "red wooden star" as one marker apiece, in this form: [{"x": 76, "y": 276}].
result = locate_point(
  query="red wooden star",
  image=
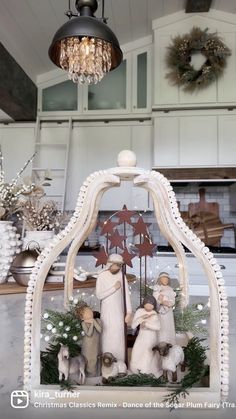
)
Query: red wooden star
[
  {"x": 101, "y": 256},
  {"x": 107, "y": 227},
  {"x": 140, "y": 227},
  {"x": 127, "y": 257},
  {"x": 116, "y": 240},
  {"x": 125, "y": 215},
  {"x": 146, "y": 248}
]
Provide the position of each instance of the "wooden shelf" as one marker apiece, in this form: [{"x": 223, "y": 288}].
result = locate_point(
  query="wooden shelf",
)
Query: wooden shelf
[{"x": 14, "y": 288}]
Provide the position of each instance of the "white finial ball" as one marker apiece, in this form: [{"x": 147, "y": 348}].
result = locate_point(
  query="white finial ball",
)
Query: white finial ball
[{"x": 126, "y": 158}]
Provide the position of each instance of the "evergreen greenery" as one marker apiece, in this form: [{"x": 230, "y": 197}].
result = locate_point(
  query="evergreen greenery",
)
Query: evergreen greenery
[
  {"x": 195, "y": 356},
  {"x": 179, "y": 55},
  {"x": 59, "y": 327},
  {"x": 136, "y": 380},
  {"x": 188, "y": 319}
]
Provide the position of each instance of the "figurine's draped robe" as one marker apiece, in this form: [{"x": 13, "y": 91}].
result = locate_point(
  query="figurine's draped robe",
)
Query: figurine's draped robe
[
  {"x": 112, "y": 312},
  {"x": 167, "y": 329},
  {"x": 143, "y": 358},
  {"x": 91, "y": 346}
]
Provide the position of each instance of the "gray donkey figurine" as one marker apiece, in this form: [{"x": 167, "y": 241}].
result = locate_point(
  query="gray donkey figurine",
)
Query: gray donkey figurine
[{"x": 71, "y": 368}]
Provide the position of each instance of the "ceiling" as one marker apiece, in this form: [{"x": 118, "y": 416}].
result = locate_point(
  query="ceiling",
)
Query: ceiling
[{"x": 27, "y": 26}]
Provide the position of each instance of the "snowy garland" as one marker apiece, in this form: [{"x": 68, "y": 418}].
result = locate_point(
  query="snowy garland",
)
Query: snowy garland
[{"x": 179, "y": 56}]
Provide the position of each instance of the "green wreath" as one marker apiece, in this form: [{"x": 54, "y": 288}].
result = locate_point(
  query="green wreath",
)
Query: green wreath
[{"x": 179, "y": 55}]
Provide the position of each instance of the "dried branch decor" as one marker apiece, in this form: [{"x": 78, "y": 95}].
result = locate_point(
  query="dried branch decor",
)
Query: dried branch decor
[
  {"x": 10, "y": 192},
  {"x": 37, "y": 213},
  {"x": 179, "y": 56}
]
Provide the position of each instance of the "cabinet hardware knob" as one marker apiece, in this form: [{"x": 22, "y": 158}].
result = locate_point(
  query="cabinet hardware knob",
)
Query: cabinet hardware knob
[{"x": 222, "y": 267}]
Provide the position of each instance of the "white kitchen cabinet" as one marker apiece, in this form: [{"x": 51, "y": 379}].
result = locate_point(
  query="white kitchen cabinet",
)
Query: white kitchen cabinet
[
  {"x": 127, "y": 90},
  {"x": 227, "y": 142},
  {"x": 17, "y": 143},
  {"x": 111, "y": 94},
  {"x": 95, "y": 146},
  {"x": 198, "y": 141},
  {"x": 142, "y": 80},
  {"x": 195, "y": 138},
  {"x": 166, "y": 141}
]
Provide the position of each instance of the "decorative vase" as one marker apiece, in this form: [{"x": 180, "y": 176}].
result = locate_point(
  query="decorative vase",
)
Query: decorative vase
[
  {"x": 9, "y": 246},
  {"x": 37, "y": 239}
]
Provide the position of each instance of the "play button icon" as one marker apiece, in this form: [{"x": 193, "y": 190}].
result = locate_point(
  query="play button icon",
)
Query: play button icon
[{"x": 19, "y": 399}]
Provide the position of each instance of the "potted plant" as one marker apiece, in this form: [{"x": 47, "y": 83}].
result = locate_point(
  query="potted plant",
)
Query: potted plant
[{"x": 40, "y": 216}]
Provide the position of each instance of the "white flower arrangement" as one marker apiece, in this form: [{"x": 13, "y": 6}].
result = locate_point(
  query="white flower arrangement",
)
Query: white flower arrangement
[{"x": 37, "y": 213}]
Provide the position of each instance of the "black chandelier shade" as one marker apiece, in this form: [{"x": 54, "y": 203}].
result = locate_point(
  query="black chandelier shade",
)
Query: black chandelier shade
[{"x": 85, "y": 25}]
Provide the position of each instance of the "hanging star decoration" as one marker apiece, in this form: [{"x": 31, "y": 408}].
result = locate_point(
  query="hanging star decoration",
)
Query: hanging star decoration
[
  {"x": 127, "y": 257},
  {"x": 107, "y": 227},
  {"x": 116, "y": 240},
  {"x": 124, "y": 216},
  {"x": 140, "y": 227},
  {"x": 147, "y": 248},
  {"x": 101, "y": 256}
]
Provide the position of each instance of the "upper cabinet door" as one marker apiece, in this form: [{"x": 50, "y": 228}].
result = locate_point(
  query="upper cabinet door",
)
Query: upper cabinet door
[
  {"x": 181, "y": 141},
  {"x": 60, "y": 96},
  {"x": 227, "y": 143},
  {"x": 110, "y": 95},
  {"x": 141, "y": 80},
  {"x": 198, "y": 141}
]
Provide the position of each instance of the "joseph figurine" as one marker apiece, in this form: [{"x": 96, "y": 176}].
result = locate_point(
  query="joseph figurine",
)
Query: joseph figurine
[{"x": 109, "y": 290}]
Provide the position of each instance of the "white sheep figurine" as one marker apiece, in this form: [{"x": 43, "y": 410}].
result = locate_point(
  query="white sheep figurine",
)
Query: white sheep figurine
[
  {"x": 111, "y": 367},
  {"x": 171, "y": 357},
  {"x": 71, "y": 368}
]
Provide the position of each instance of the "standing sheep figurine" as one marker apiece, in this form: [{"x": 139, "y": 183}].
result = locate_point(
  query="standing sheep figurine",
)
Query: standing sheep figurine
[
  {"x": 71, "y": 368},
  {"x": 171, "y": 357}
]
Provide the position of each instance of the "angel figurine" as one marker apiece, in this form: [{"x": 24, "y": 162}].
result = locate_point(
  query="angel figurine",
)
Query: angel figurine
[
  {"x": 92, "y": 328},
  {"x": 165, "y": 297}
]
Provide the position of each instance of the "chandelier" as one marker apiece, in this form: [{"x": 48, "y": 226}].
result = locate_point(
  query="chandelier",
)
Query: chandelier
[{"x": 85, "y": 46}]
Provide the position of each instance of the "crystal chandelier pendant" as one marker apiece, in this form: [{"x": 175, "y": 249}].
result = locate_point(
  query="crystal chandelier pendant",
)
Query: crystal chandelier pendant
[
  {"x": 85, "y": 46},
  {"x": 87, "y": 60}
]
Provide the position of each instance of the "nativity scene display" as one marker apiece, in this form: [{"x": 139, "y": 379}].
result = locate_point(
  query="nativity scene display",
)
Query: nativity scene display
[
  {"x": 139, "y": 334},
  {"x": 132, "y": 324}
]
